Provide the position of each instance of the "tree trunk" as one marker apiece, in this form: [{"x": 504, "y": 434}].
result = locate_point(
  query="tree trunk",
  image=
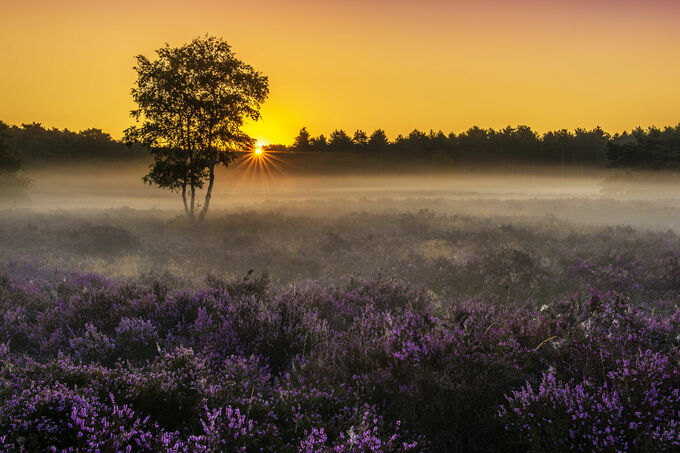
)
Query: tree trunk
[
  {"x": 184, "y": 200},
  {"x": 193, "y": 204},
  {"x": 208, "y": 194}
]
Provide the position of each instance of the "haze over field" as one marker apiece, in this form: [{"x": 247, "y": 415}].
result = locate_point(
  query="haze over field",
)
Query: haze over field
[{"x": 596, "y": 197}]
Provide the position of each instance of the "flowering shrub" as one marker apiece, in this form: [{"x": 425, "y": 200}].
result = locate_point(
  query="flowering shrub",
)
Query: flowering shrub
[
  {"x": 361, "y": 438},
  {"x": 635, "y": 408},
  {"x": 93, "y": 346},
  {"x": 91, "y": 364},
  {"x": 136, "y": 339}
]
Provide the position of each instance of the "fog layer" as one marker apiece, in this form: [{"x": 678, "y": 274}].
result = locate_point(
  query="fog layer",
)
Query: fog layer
[{"x": 494, "y": 236}]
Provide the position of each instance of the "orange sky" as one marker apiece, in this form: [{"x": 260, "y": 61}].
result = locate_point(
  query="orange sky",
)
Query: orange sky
[{"x": 365, "y": 64}]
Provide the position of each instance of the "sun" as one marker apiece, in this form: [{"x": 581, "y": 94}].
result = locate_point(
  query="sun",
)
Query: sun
[
  {"x": 258, "y": 150},
  {"x": 259, "y": 165}
]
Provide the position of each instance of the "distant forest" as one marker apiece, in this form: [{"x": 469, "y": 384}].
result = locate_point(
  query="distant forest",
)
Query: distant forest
[
  {"x": 651, "y": 148},
  {"x": 35, "y": 144}
]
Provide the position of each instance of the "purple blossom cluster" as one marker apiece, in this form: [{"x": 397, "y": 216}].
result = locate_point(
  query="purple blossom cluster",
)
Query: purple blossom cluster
[
  {"x": 91, "y": 364},
  {"x": 636, "y": 408}
]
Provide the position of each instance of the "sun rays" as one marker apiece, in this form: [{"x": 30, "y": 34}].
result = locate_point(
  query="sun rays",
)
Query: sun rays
[{"x": 259, "y": 169}]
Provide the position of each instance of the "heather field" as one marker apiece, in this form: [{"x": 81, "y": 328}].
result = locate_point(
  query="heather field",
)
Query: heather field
[{"x": 366, "y": 324}]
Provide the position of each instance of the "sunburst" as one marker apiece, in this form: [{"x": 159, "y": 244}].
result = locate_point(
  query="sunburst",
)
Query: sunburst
[{"x": 260, "y": 168}]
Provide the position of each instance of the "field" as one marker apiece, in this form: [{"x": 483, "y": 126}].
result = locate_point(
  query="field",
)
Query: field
[{"x": 349, "y": 314}]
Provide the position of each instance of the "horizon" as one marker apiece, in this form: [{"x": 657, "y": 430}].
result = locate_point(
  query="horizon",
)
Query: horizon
[
  {"x": 392, "y": 139},
  {"x": 362, "y": 65}
]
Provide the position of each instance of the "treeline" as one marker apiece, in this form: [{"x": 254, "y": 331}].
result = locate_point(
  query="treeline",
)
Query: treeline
[
  {"x": 33, "y": 144},
  {"x": 11, "y": 180},
  {"x": 651, "y": 148},
  {"x": 10, "y": 163}
]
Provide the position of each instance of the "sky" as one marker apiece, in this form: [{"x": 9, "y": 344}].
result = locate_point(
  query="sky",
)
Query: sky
[{"x": 359, "y": 64}]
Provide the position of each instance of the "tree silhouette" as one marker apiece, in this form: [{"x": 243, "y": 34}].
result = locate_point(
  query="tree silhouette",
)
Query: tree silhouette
[
  {"x": 472, "y": 145},
  {"x": 302, "y": 141},
  {"x": 192, "y": 102},
  {"x": 11, "y": 182},
  {"x": 319, "y": 143},
  {"x": 557, "y": 145},
  {"x": 33, "y": 143},
  {"x": 10, "y": 164},
  {"x": 652, "y": 148},
  {"x": 360, "y": 138},
  {"x": 513, "y": 146},
  {"x": 378, "y": 140},
  {"x": 339, "y": 140},
  {"x": 590, "y": 146}
]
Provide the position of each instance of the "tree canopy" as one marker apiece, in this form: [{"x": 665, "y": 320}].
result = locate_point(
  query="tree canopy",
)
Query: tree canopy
[
  {"x": 36, "y": 145},
  {"x": 302, "y": 141},
  {"x": 192, "y": 102},
  {"x": 514, "y": 145},
  {"x": 653, "y": 148}
]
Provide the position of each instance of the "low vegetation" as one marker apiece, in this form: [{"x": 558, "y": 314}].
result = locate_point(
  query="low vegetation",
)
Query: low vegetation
[{"x": 468, "y": 334}]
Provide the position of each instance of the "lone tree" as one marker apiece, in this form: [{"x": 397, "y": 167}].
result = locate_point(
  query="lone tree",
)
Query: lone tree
[{"x": 192, "y": 102}]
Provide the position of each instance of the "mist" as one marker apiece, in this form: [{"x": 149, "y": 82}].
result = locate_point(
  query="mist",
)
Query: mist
[
  {"x": 592, "y": 196},
  {"x": 294, "y": 226}
]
